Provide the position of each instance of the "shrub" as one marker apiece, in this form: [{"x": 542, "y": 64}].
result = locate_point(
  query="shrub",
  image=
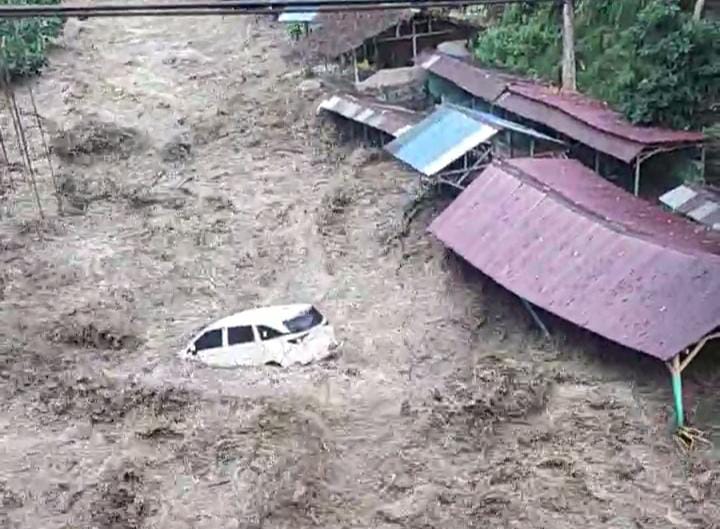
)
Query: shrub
[{"x": 24, "y": 41}]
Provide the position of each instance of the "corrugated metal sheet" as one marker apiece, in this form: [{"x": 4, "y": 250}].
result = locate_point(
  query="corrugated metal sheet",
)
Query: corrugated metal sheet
[
  {"x": 440, "y": 139},
  {"x": 390, "y": 119},
  {"x": 562, "y": 237},
  {"x": 566, "y": 124},
  {"x": 576, "y": 116},
  {"x": 480, "y": 82},
  {"x": 700, "y": 203},
  {"x": 600, "y": 116},
  {"x": 298, "y": 16},
  {"x": 345, "y": 31},
  {"x": 447, "y": 134}
]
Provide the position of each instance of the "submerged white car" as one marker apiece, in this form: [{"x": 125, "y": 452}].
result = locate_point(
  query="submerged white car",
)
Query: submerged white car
[{"x": 280, "y": 335}]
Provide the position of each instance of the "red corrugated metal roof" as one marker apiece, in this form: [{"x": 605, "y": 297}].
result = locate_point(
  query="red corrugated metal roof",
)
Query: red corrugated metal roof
[
  {"x": 575, "y": 115},
  {"x": 480, "y": 82},
  {"x": 570, "y": 126},
  {"x": 599, "y": 115},
  {"x": 562, "y": 237}
]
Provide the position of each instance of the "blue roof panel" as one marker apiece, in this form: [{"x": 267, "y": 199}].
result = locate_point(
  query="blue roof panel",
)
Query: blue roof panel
[{"x": 440, "y": 139}]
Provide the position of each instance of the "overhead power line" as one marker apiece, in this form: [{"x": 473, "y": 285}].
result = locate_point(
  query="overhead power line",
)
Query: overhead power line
[{"x": 234, "y": 7}]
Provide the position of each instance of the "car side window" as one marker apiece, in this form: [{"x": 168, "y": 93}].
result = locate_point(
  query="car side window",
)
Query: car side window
[
  {"x": 240, "y": 335},
  {"x": 268, "y": 333},
  {"x": 209, "y": 340}
]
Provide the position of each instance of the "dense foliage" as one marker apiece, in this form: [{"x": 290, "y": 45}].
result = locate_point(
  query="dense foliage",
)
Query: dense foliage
[
  {"x": 648, "y": 58},
  {"x": 24, "y": 42}
]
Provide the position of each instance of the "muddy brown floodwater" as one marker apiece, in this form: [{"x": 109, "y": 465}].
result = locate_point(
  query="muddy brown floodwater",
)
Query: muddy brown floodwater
[{"x": 196, "y": 181}]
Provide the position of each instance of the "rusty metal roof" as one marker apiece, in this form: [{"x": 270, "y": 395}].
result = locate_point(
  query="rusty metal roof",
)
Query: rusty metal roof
[
  {"x": 590, "y": 121},
  {"x": 391, "y": 119},
  {"x": 568, "y": 241},
  {"x": 698, "y": 202},
  {"x": 568, "y": 125},
  {"x": 481, "y": 82},
  {"x": 577, "y": 116},
  {"x": 345, "y": 31}
]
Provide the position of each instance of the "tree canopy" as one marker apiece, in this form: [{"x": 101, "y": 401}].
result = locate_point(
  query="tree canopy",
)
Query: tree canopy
[
  {"x": 648, "y": 58},
  {"x": 24, "y": 42}
]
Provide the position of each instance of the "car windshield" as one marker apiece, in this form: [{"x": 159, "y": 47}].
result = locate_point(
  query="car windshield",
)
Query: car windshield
[{"x": 304, "y": 321}]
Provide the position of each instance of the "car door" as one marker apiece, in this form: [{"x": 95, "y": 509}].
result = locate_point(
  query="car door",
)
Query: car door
[
  {"x": 273, "y": 343},
  {"x": 209, "y": 348},
  {"x": 243, "y": 346}
]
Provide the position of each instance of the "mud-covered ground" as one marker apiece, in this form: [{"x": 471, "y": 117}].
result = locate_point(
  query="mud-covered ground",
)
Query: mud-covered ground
[{"x": 195, "y": 180}]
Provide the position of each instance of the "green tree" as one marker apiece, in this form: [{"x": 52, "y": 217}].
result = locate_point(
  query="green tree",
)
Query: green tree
[
  {"x": 648, "y": 58},
  {"x": 24, "y": 42}
]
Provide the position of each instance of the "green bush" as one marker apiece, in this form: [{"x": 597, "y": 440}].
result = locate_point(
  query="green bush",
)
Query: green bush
[
  {"x": 647, "y": 58},
  {"x": 24, "y": 41}
]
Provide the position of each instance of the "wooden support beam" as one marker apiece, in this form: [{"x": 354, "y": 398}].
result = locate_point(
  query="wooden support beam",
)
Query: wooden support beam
[
  {"x": 536, "y": 318},
  {"x": 636, "y": 185},
  {"x": 417, "y": 35},
  {"x": 698, "y": 347},
  {"x": 414, "y": 41},
  {"x": 450, "y": 183},
  {"x": 355, "y": 66},
  {"x": 3, "y": 149}
]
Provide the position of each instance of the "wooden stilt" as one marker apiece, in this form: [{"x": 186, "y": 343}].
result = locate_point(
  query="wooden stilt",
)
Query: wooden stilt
[
  {"x": 536, "y": 318},
  {"x": 636, "y": 186},
  {"x": 414, "y": 41},
  {"x": 3, "y": 149},
  {"x": 355, "y": 66}
]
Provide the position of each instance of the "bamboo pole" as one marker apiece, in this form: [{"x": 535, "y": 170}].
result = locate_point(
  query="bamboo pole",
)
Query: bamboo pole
[
  {"x": 636, "y": 185},
  {"x": 698, "y": 347},
  {"x": 22, "y": 142},
  {"x": 47, "y": 151},
  {"x": 6, "y": 168},
  {"x": 4, "y": 150}
]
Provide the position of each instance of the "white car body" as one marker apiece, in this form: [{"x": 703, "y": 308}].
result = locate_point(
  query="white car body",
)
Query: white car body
[{"x": 282, "y": 335}]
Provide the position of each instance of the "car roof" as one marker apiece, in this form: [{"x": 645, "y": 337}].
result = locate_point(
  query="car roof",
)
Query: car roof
[{"x": 272, "y": 316}]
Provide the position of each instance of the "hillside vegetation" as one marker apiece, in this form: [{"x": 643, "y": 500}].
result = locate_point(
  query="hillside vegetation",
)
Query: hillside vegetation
[
  {"x": 24, "y": 42},
  {"x": 647, "y": 58}
]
